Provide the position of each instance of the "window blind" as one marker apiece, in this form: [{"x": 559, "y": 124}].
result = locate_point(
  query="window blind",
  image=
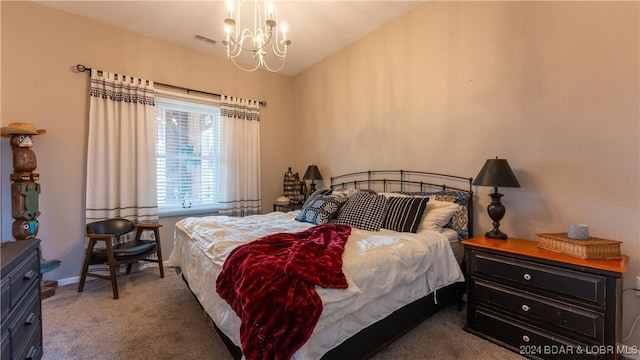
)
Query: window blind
[{"x": 188, "y": 153}]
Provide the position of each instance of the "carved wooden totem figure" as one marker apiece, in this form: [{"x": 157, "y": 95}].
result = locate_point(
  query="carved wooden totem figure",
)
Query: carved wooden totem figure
[
  {"x": 24, "y": 189},
  {"x": 24, "y": 194}
]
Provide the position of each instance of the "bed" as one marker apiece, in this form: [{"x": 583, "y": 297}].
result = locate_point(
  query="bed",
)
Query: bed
[{"x": 396, "y": 278}]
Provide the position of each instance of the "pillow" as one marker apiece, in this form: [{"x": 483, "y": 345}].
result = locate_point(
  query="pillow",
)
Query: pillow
[
  {"x": 321, "y": 208},
  {"x": 316, "y": 193},
  {"x": 438, "y": 214},
  {"x": 394, "y": 194},
  {"x": 404, "y": 214},
  {"x": 460, "y": 221},
  {"x": 364, "y": 210},
  {"x": 345, "y": 192}
]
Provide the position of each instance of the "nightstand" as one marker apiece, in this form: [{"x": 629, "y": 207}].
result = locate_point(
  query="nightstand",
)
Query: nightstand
[
  {"x": 287, "y": 207},
  {"x": 543, "y": 304}
]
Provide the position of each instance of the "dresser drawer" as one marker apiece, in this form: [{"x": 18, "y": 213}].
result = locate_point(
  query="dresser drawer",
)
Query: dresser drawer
[
  {"x": 31, "y": 348},
  {"x": 527, "y": 340},
  {"x": 23, "y": 277},
  {"x": 5, "y": 298},
  {"x": 21, "y": 325},
  {"x": 6, "y": 350},
  {"x": 555, "y": 315},
  {"x": 25, "y": 323},
  {"x": 569, "y": 284}
]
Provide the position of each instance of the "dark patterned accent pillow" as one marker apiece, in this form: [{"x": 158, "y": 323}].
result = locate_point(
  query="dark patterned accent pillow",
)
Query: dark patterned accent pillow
[
  {"x": 316, "y": 193},
  {"x": 460, "y": 219},
  {"x": 363, "y": 210},
  {"x": 321, "y": 209},
  {"x": 404, "y": 213}
]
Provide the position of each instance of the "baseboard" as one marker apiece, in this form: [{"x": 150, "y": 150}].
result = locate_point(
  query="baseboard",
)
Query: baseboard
[
  {"x": 76, "y": 279},
  {"x": 72, "y": 280}
]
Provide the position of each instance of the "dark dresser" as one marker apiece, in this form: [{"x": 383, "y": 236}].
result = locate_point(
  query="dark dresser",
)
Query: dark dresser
[
  {"x": 543, "y": 304},
  {"x": 20, "y": 302}
]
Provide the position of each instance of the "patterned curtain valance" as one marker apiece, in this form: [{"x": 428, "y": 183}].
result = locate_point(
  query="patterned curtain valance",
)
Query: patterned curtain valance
[
  {"x": 122, "y": 88},
  {"x": 239, "y": 108}
]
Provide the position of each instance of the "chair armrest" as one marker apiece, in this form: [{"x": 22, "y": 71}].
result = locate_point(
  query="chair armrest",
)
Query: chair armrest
[
  {"x": 148, "y": 226},
  {"x": 100, "y": 236}
]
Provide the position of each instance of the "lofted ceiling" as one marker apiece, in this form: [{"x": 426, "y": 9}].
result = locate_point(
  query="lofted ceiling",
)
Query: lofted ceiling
[{"x": 317, "y": 28}]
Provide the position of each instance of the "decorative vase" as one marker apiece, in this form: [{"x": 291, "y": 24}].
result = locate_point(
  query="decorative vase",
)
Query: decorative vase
[{"x": 292, "y": 187}]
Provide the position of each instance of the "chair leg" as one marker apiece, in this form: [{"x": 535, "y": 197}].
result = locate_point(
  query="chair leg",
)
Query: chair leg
[
  {"x": 112, "y": 269},
  {"x": 129, "y": 266},
  {"x": 156, "y": 232},
  {"x": 85, "y": 265}
]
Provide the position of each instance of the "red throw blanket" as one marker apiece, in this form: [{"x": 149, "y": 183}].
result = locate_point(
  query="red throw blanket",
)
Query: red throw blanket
[{"x": 270, "y": 284}]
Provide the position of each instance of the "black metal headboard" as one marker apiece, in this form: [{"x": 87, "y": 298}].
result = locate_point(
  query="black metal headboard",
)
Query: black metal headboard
[{"x": 408, "y": 181}]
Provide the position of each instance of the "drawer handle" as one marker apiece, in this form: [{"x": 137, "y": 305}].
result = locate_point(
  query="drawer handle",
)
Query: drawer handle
[
  {"x": 29, "y": 275},
  {"x": 525, "y": 338},
  {"x": 33, "y": 351},
  {"x": 527, "y": 277},
  {"x": 31, "y": 319},
  {"x": 525, "y": 308}
]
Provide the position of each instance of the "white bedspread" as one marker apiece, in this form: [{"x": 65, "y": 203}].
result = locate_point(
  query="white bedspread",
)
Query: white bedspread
[{"x": 385, "y": 270}]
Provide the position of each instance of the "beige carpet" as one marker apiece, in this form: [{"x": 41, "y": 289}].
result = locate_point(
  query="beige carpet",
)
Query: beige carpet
[{"x": 159, "y": 319}]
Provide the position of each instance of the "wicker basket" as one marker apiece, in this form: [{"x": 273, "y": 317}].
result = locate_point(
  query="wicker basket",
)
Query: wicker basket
[{"x": 594, "y": 248}]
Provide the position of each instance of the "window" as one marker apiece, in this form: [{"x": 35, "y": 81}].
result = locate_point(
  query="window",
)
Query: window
[{"x": 188, "y": 149}]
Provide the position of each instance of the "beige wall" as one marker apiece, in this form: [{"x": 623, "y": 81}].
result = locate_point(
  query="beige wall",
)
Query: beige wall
[
  {"x": 40, "y": 48},
  {"x": 552, "y": 87}
]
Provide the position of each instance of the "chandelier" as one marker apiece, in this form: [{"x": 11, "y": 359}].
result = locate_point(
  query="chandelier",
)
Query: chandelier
[{"x": 267, "y": 45}]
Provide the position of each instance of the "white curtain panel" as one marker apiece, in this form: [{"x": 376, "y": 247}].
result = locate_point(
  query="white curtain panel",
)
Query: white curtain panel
[
  {"x": 240, "y": 157},
  {"x": 121, "y": 158}
]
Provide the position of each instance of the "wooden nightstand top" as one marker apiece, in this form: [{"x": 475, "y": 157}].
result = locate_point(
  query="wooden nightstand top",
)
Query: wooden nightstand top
[
  {"x": 530, "y": 248},
  {"x": 286, "y": 207}
]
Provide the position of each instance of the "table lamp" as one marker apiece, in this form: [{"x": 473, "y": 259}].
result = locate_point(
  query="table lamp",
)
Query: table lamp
[
  {"x": 497, "y": 173},
  {"x": 312, "y": 174}
]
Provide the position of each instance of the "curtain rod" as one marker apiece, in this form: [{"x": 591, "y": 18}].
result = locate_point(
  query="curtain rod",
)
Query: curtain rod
[{"x": 82, "y": 68}]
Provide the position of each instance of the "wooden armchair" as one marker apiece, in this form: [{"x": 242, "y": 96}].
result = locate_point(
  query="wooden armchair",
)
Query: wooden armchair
[{"x": 128, "y": 252}]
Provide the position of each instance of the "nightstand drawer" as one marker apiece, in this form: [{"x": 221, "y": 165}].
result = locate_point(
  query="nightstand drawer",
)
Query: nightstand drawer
[
  {"x": 529, "y": 341},
  {"x": 555, "y": 315},
  {"x": 569, "y": 284}
]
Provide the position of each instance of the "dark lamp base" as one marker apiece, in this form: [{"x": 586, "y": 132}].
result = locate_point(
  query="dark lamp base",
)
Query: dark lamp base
[
  {"x": 496, "y": 234},
  {"x": 496, "y": 211}
]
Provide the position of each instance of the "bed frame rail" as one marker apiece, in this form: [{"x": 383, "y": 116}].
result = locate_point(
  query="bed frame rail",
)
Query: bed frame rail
[{"x": 407, "y": 181}]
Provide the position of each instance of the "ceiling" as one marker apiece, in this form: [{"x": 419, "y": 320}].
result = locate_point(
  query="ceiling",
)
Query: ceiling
[{"x": 317, "y": 28}]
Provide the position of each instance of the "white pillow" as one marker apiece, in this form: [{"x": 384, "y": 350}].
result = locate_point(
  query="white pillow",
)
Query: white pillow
[
  {"x": 437, "y": 214},
  {"x": 393, "y": 194},
  {"x": 345, "y": 192}
]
